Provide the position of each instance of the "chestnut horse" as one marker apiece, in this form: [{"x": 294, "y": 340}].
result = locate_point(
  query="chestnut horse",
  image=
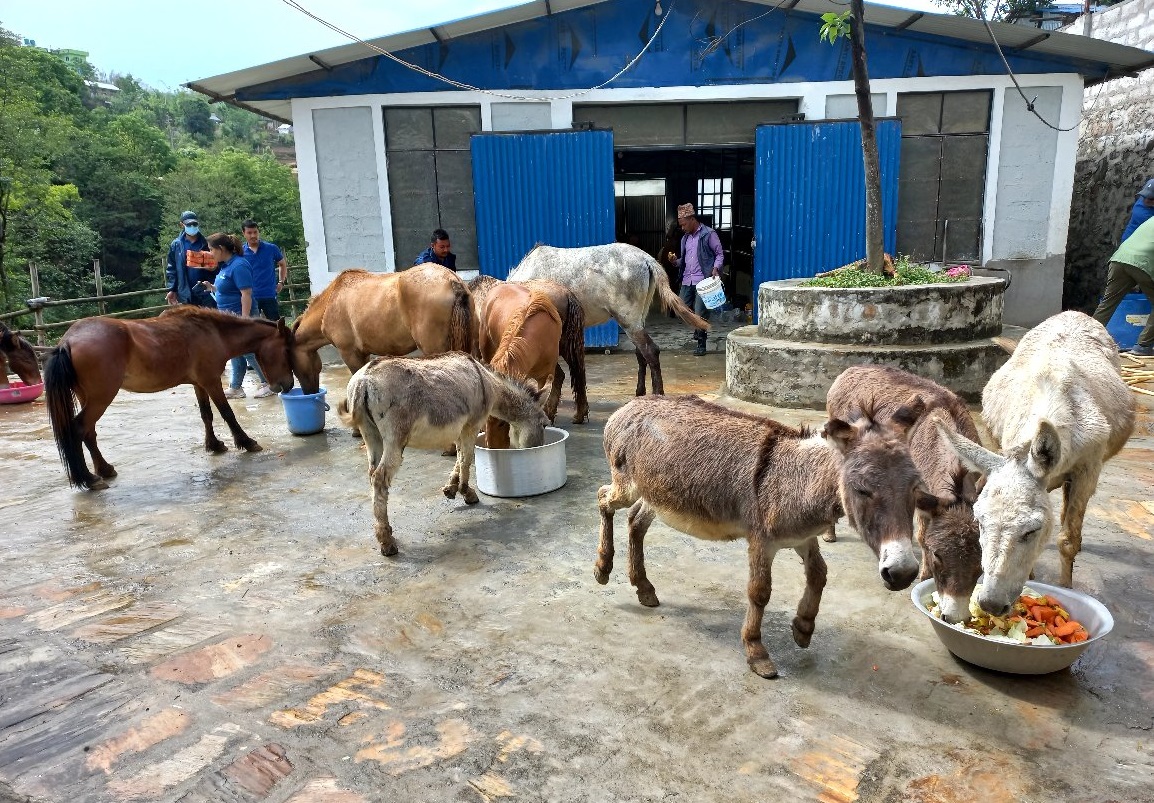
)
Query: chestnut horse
[
  {"x": 426, "y": 307},
  {"x": 184, "y": 345},
  {"x": 572, "y": 347},
  {"x": 17, "y": 352},
  {"x": 519, "y": 336}
]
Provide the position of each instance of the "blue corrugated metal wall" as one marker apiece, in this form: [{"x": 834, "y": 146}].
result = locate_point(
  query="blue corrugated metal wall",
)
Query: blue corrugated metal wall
[
  {"x": 809, "y": 198},
  {"x": 554, "y": 188}
]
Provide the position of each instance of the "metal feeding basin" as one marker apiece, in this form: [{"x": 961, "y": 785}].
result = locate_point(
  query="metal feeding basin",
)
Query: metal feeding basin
[
  {"x": 1021, "y": 659},
  {"x": 522, "y": 472}
]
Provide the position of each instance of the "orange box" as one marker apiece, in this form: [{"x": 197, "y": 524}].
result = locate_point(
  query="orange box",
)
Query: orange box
[{"x": 199, "y": 259}]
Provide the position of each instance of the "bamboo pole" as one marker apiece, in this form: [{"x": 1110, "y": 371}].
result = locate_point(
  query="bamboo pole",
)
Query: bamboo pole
[
  {"x": 37, "y": 313},
  {"x": 99, "y": 285}
]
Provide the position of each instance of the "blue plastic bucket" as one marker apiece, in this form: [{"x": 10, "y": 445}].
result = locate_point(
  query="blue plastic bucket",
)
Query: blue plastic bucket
[
  {"x": 1128, "y": 320},
  {"x": 712, "y": 292},
  {"x": 305, "y": 412}
]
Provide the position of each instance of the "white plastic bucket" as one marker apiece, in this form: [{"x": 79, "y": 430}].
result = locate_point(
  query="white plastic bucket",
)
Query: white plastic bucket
[{"x": 712, "y": 292}]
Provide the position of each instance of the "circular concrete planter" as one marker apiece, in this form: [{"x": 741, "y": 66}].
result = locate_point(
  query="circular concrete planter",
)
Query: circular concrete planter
[
  {"x": 915, "y": 314},
  {"x": 806, "y": 336}
]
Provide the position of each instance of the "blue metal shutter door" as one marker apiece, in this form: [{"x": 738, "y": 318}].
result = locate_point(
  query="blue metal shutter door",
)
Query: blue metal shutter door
[
  {"x": 554, "y": 188},
  {"x": 809, "y": 196}
]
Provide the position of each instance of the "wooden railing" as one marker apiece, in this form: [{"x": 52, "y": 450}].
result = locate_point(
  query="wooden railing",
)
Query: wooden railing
[{"x": 298, "y": 296}]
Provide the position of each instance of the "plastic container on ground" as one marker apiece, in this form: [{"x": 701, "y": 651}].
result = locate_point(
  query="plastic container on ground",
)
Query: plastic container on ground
[
  {"x": 1128, "y": 320},
  {"x": 305, "y": 412},
  {"x": 712, "y": 292},
  {"x": 522, "y": 472},
  {"x": 17, "y": 392}
]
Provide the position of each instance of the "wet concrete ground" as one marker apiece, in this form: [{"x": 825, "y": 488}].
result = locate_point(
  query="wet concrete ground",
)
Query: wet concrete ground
[{"x": 223, "y": 628}]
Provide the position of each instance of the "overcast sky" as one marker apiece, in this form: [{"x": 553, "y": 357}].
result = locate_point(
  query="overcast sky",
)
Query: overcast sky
[{"x": 164, "y": 45}]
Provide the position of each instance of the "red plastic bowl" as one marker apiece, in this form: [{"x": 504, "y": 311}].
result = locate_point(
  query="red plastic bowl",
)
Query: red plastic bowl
[{"x": 18, "y": 392}]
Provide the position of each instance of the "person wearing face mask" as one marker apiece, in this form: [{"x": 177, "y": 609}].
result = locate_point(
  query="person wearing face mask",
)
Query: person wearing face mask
[{"x": 186, "y": 274}]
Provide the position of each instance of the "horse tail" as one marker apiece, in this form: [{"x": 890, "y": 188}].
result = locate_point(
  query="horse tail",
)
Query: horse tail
[
  {"x": 462, "y": 334},
  {"x": 60, "y": 395},
  {"x": 669, "y": 300},
  {"x": 573, "y": 330}
]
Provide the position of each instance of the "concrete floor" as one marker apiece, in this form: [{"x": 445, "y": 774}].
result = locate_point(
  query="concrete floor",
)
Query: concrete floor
[{"x": 224, "y": 629}]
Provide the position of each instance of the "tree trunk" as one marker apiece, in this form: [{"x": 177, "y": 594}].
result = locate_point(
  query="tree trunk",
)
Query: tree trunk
[{"x": 875, "y": 246}]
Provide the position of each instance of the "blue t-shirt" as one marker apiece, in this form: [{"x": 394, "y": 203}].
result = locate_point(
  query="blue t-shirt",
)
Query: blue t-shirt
[
  {"x": 264, "y": 271},
  {"x": 1139, "y": 215},
  {"x": 232, "y": 277}
]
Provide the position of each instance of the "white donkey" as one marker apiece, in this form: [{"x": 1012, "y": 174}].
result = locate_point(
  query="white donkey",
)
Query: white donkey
[
  {"x": 1058, "y": 409},
  {"x": 613, "y": 281}
]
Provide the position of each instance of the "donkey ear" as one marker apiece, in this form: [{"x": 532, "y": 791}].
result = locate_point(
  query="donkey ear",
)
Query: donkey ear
[
  {"x": 840, "y": 435},
  {"x": 973, "y": 456},
  {"x": 924, "y": 500},
  {"x": 972, "y": 485},
  {"x": 1045, "y": 451},
  {"x": 907, "y": 415}
]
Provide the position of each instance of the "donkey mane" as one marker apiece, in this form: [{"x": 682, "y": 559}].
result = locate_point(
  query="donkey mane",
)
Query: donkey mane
[
  {"x": 774, "y": 428},
  {"x": 512, "y": 346}
]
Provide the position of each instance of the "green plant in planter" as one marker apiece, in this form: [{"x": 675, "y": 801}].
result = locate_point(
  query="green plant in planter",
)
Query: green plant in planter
[{"x": 908, "y": 272}]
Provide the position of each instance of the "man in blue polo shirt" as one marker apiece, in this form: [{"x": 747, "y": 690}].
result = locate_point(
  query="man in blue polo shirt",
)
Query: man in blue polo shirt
[
  {"x": 1142, "y": 210},
  {"x": 269, "y": 271},
  {"x": 439, "y": 251}
]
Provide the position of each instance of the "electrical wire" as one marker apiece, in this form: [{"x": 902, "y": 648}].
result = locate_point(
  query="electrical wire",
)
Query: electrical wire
[{"x": 469, "y": 87}]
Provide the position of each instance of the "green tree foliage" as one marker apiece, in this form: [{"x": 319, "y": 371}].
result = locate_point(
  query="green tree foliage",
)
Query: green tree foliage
[{"x": 87, "y": 178}]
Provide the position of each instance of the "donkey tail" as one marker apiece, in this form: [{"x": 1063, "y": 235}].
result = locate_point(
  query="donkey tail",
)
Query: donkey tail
[
  {"x": 1006, "y": 344},
  {"x": 462, "y": 334},
  {"x": 669, "y": 300},
  {"x": 60, "y": 395}
]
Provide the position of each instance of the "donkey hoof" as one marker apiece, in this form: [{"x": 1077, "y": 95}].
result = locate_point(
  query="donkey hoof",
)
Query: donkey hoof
[
  {"x": 600, "y": 575},
  {"x": 829, "y": 536},
  {"x": 390, "y": 550},
  {"x": 765, "y": 667},
  {"x": 648, "y": 598},
  {"x": 450, "y": 452},
  {"x": 450, "y": 491},
  {"x": 471, "y": 497},
  {"x": 802, "y": 632}
]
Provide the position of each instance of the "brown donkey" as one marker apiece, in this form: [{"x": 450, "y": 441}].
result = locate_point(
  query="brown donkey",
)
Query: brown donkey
[
  {"x": 947, "y": 532},
  {"x": 754, "y": 478}
]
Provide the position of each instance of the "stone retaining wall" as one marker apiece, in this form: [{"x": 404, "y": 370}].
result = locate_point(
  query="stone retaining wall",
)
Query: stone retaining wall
[{"x": 1115, "y": 154}]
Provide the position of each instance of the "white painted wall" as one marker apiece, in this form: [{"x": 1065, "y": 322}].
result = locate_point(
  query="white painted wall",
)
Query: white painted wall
[{"x": 1050, "y": 180}]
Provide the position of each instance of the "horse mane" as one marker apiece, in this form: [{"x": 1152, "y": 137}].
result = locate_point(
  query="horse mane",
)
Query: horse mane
[
  {"x": 513, "y": 345},
  {"x": 206, "y": 315}
]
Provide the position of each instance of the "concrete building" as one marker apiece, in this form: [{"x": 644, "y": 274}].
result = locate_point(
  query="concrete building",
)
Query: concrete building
[
  {"x": 1115, "y": 152},
  {"x": 577, "y": 121}
]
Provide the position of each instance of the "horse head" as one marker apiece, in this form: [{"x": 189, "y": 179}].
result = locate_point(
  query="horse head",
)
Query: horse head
[
  {"x": 1014, "y": 513},
  {"x": 880, "y": 488},
  {"x": 305, "y": 361},
  {"x": 17, "y": 353},
  {"x": 275, "y": 356}
]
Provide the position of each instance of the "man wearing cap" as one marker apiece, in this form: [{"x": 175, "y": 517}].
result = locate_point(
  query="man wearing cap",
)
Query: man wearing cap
[
  {"x": 1143, "y": 209},
  {"x": 184, "y": 280},
  {"x": 700, "y": 255},
  {"x": 1132, "y": 265}
]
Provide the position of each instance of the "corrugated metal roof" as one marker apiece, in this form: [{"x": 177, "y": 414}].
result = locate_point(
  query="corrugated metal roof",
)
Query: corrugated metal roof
[{"x": 1102, "y": 60}]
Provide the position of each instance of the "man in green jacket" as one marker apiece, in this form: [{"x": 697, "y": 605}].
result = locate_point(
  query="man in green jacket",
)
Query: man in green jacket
[{"x": 1132, "y": 265}]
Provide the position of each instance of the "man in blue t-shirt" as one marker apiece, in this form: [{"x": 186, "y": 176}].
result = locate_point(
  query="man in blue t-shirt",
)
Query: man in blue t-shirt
[
  {"x": 1142, "y": 210},
  {"x": 439, "y": 251},
  {"x": 269, "y": 271}
]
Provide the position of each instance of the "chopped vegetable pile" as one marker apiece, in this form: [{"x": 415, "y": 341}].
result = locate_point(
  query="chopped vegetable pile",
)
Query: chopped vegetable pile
[{"x": 1034, "y": 619}]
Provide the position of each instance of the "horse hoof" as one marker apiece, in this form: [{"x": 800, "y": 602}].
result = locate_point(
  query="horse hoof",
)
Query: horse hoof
[
  {"x": 390, "y": 550},
  {"x": 600, "y": 576},
  {"x": 108, "y": 472},
  {"x": 216, "y": 448},
  {"x": 648, "y": 598},
  {"x": 802, "y": 632},
  {"x": 449, "y": 452},
  {"x": 764, "y": 667},
  {"x": 96, "y": 484},
  {"x": 252, "y": 446}
]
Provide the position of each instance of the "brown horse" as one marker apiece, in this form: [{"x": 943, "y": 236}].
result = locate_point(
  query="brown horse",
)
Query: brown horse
[
  {"x": 184, "y": 345},
  {"x": 17, "y": 352},
  {"x": 426, "y": 307},
  {"x": 572, "y": 346},
  {"x": 520, "y": 333}
]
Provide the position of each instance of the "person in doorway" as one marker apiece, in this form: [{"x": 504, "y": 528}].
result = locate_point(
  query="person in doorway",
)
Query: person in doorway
[
  {"x": 439, "y": 251},
  {"x": 187, "y": 270},
  {"x": 1142, "y": 210},
  {"x": 269, "y": 270},
  {"x": 699, "y": 257},
  {"x": 1132, "y": 265},
  {"x": 233, "y": 289}
]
